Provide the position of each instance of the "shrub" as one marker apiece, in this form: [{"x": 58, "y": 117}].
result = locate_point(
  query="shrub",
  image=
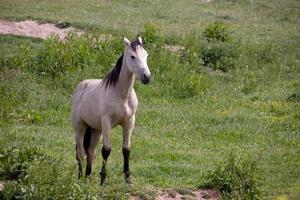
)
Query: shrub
[
  {"x": 217, "y": 31},
  {"x": 63, "y": 24},
  {"x": 14, "y": 161},
  {"x": 295, "y": 97},
  {"x": 192, "y": 44},
  {"x": 235, "y": 179},
  {"x": 47, "y": 179},
  {"x": 151, "y": 34},
  {"x": 191, "y": 85},
  {"x": 56, "y": 59},
  {"x": 219, "y": 55}
]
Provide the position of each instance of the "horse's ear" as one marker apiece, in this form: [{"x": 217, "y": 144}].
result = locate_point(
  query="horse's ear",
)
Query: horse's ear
[
  {"x": 126, "y": 42},
  {"x": 139, "y": 38}
]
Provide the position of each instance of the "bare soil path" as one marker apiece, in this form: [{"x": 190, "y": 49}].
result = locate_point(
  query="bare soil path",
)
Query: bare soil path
[
  {"x": 171, "y": 194},
  {"x": 34, "y": 29}
]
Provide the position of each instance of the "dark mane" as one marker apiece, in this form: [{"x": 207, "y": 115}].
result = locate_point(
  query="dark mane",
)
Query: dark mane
[
  {"x": 135, "y": 44},
  {"x": 113, "y": 76}
]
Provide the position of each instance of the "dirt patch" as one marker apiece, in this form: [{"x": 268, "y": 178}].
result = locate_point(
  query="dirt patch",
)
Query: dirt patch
[
  {"x": 34, "y": 29},
  {"x": 180, "y": 194},
  {"x": 173, "y": 48}
]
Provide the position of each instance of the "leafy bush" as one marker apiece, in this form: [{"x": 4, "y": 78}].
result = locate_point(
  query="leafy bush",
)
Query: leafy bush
[
  {"x": 191, "y": 85},
  {"x": 219, "y": 55},
  {"x": 217, "y": 31},
  {"x": 151, "y": 34},
  {"x": 63, "y": 24},
  {"x": 235, "y": 179},
  {"x": 192, "y": 45},
  {"x": 14, "y": 161},
  {"x": 46, "y": 179},
  {"x": 295, "y": 97},
  {"x": 55, "y": 58},
  {"x": 216, "y": 50}
]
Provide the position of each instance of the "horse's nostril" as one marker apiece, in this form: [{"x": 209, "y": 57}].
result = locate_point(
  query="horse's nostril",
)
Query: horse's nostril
[{"x": 145, "y": 79}]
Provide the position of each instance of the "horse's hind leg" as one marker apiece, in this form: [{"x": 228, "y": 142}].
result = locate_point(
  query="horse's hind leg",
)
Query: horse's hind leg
[
  {"x": 79, "y": 137},
  {"x": 91, "y": 150},
  {"x": 106, "y": 149}
]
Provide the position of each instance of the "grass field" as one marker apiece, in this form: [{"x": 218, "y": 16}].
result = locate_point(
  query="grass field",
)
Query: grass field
[{"x": 209, "y": 104}]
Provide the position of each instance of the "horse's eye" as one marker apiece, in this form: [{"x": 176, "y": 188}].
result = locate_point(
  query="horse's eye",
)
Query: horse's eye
[{"x": 132, "y": 57}]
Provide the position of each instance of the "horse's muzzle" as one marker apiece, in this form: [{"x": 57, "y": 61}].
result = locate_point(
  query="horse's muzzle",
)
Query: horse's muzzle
[{"x": 145, "y": 79}]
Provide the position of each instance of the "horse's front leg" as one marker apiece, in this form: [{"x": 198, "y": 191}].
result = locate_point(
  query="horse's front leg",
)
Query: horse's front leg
[
  {"x": 127, "y": 130},
  {"x": 106, "y": 149}
]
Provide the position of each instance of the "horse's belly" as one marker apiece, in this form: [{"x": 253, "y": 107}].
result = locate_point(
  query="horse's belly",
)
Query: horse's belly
[{"x": 90, "y": 112}]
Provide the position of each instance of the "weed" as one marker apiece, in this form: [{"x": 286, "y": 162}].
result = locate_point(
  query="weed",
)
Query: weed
[
  {"x": 235, "y": 179},
  {"x": 151, "y": 34},
  {"x": 295, "y": 97},
  {"x": 217, "y": 31},
  {"x": 15, "y": 161},
  {"x": 191, "y": 85},
  {"x": 220, "y": 55},
  {"x": 63, "y": 24}
]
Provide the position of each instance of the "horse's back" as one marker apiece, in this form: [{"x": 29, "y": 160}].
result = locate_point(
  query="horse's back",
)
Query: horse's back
[{"x": 88, "y": 83}]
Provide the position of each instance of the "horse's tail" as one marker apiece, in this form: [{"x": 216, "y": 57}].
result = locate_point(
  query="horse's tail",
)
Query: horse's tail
[{"x": 87, "y": 139}]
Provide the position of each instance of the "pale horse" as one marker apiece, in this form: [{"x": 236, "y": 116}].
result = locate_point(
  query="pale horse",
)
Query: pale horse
[{"x": 100, "y": 105}]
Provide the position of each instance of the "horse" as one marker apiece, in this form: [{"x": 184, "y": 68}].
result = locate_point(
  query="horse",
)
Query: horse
[{"x": 100, "y": 105}]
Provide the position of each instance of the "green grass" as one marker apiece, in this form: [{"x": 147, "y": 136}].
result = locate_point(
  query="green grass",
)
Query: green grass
[{"x": 191, "y": 118}]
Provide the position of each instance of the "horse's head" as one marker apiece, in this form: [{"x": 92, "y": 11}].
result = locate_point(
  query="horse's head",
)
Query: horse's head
[{"x": 135, "y": 57}]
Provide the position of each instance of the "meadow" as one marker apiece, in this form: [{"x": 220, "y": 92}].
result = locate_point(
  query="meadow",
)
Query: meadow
[{"x": 222, "y": 111}]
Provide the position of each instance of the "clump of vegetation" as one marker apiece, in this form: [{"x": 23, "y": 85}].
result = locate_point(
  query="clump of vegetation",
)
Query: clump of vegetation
[
  {"x": 63, "y": 24},
  {"x": 217, "y": 31},
  {"x": 56, "y": 58},
  {"x": 15, "y": 161},
  {"x": 151, "y": 34},
  {"x": 295, "y": 97},
  {"x": 46, "y": 179},
  {"x": 219, "y": 56},
  {"x": 235, "y": 179},
  {"x": 215, "y": 50},
  {"x": 219, "y": 52}
]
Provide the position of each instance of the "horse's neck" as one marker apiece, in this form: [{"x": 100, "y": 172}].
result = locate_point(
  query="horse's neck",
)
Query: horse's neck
[{"x": 125, "y": 83}]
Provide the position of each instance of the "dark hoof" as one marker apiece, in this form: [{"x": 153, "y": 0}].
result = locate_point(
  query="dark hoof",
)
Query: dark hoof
[
  {"x": 127, "y": 178},
  {"x": 128, "y": 181},
  {"x": 103, "y": 178}
]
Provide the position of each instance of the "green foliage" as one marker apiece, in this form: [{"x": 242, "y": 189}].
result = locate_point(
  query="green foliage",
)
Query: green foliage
[
  {"x": 217, "y": 31},
  {"x": 192, "y": 46},
  {"x": 151, "y": 34},
  {"x": 63, "y": 24},
  {"x": 46, "y": 179},
  {"x": 220, "y": 55},
  {"x": 191, "y": 85},
  {"x": 56, "y": 58},
  {"x": 14, "y": 162},
  {"x": 216, "y": 51},
  {"x": 189, "y": 117},
  {"x": 260, "y": 53},
  {"x": 236, "y": 179},
  {"x": 295, "y": 97}
]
